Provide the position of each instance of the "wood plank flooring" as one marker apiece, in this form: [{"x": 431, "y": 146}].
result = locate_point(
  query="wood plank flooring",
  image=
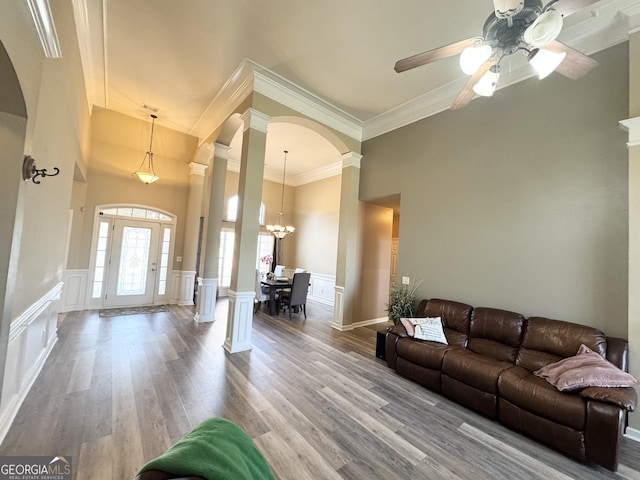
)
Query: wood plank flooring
[{"x": 117, "y": 392}]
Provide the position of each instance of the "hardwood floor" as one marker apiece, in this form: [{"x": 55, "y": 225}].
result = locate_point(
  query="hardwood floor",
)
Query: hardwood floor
[{"x": 117, "y": 392}]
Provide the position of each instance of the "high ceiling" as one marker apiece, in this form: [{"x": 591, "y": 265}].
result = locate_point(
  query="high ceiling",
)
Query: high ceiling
[{"x": 176, "y": 55}]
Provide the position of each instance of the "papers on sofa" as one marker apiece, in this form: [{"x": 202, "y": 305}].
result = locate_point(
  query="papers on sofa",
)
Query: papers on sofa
[{"x": 429, "y": 328}]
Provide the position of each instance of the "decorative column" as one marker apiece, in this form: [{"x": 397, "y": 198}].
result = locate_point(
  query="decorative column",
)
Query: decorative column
[
  {"x": 346, "y": 268},
  {"x": 186, "y": 285},
  {"x": 243, "y": 275},
  {"x": 208, "y": 283}
]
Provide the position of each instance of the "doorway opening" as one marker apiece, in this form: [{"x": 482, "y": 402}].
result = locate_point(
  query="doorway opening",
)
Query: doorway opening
[{"x": 130, "y": 256}]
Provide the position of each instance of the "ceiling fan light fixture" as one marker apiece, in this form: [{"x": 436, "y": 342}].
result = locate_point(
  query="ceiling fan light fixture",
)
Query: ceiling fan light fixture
[
  {"x": 487, "y": 83},
  {"x": 544, "y": 30},
  {"x": 472, "y": 57},
  {"x": 146, "y": 172},
  {"x": 545, "y": 61},
  {"x": 507, "y": 8}
]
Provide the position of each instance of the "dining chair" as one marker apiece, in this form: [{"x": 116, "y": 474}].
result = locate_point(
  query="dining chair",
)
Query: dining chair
[
  {"x": 297, "y": 297},
  {"x": 262, "y": 293}
]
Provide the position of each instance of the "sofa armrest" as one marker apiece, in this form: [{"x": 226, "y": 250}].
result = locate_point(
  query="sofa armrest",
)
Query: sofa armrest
[
  {"x": 618, "y": 352},
  {"x": 398, "y": 330},
  {"x": 624, "y": 397}
]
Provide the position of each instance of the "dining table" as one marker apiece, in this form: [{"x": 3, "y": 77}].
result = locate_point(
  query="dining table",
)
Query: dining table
[{"x": 275, "y": 284}]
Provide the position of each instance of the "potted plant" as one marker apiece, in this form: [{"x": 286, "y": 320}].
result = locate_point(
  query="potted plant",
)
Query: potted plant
[{"x": 402, "y": 301}]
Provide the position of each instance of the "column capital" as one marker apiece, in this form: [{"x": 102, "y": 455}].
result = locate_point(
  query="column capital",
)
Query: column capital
[
  {"x": 351, "y": 159},
  {"x": 632, "y": 125},
  {"x": 197, "y": 169},
  {"x": 221, "y": 151},
  {"x": 255, "y": 119}
]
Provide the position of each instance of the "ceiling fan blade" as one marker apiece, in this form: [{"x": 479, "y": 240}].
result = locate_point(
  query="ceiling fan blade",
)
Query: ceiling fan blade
[
  {"x": 575, "y": 64},
  {"x": 467, "y": 93},
  {"x": 434, "y": 55},
  {"x": 567, "y": 7}
]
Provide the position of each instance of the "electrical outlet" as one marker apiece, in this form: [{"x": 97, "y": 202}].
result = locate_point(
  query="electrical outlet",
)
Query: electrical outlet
[{"x": 406, "y": 280}]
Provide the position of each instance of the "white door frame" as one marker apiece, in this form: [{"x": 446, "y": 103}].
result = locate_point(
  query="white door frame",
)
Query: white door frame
[{"x": 167, "y": 220}]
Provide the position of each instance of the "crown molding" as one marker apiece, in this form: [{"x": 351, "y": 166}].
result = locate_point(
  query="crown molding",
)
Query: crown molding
[
  {"x": 45, "y": 27},
  {"x": 318, "y": 174},
  {"x": 235, "y": 90},
  {"x": 283, "y": 91}
]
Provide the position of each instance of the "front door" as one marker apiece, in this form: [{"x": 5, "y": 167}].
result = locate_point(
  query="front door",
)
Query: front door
[{"x": 133, "y": 263}]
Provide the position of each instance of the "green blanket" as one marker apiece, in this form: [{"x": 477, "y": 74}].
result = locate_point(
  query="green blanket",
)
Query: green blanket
[{"x": 217, "y": 449}]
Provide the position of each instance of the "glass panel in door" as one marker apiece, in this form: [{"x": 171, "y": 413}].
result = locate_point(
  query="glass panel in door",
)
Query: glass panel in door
[{"x": 133, "y": 264}]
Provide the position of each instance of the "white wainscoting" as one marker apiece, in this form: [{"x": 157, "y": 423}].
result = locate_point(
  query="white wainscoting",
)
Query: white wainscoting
[
  {"x": 322, "y": 288},
  {"x": 74, "y": 292},
  {"x": 32, "y": 336}
]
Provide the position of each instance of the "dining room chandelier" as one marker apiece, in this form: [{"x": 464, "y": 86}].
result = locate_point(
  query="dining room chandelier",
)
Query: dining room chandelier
[
  {"x": 146, "y": 172},
  {"x": 279, "y": 230}
]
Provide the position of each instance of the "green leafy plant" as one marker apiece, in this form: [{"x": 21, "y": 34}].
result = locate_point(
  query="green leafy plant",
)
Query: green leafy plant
[{"x": 402, "y": 301}]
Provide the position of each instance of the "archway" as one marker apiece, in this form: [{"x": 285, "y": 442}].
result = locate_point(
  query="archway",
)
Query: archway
[{"x": 13, "y": 127}]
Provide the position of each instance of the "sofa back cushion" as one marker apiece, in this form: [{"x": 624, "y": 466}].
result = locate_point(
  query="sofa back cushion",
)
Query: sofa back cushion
[
  {"x": 455, "y": 317},
  {"x": 548, "y": 341},
  {"x": 496, "y": 333}
]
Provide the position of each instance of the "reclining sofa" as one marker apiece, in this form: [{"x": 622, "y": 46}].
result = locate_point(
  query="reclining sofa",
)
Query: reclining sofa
[{"x": 488, "y": 366}]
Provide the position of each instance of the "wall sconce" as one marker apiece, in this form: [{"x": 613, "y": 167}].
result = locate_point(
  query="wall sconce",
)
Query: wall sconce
[{"x": 31, "y": 172}]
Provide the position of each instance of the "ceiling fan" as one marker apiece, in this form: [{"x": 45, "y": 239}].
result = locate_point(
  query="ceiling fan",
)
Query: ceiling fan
[{"x": 527, "y": 26}]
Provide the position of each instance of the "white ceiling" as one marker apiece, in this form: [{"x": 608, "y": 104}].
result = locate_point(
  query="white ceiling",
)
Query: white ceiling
[{"x": 176, "y": 55}]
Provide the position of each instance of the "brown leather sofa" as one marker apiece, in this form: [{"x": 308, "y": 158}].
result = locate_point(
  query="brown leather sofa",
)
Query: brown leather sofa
[{"x": 488, "y": 366}]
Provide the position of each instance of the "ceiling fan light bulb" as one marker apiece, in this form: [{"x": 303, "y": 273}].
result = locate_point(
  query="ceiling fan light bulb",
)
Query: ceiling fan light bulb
[
  {"x": 507, "y": 8},
  {"x": 473, "y": 57},
  {"x": 544, "y": 30},
  {"x": 487, "y": 84},
  {"x": 545, "y": 61}
]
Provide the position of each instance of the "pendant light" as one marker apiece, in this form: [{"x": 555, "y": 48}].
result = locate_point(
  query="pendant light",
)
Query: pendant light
[
  {"x": 279, "y": 230},
  {"x": 146, "y": 173}
]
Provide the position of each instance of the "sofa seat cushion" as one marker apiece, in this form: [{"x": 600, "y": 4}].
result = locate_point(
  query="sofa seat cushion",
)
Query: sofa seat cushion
[
  {"x": 474, "y": 370},
  {"x": 423, "y": 353},
  {"x": 534, "y": 394}
]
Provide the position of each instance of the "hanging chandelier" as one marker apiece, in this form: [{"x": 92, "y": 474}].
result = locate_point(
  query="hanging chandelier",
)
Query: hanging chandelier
[
  {"x": 279, "y": 230},
  {"x": 146, "y": 173}
]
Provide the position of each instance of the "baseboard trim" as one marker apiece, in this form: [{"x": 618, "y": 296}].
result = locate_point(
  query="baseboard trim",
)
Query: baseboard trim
[
  {"x": 373, "y": 321},
  {"x": 364, "y": 323},
  {"x": 632, "y": 434}
]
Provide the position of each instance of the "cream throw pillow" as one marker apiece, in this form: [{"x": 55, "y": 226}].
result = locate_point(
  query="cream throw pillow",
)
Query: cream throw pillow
[{"x": 429, "y": 328}]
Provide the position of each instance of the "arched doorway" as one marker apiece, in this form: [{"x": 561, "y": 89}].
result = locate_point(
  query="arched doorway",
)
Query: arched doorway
[{"x": 13, "y": 127}]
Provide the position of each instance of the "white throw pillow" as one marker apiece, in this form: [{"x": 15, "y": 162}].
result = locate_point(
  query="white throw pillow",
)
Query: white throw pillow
[{"x": 429, "y": 328}]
